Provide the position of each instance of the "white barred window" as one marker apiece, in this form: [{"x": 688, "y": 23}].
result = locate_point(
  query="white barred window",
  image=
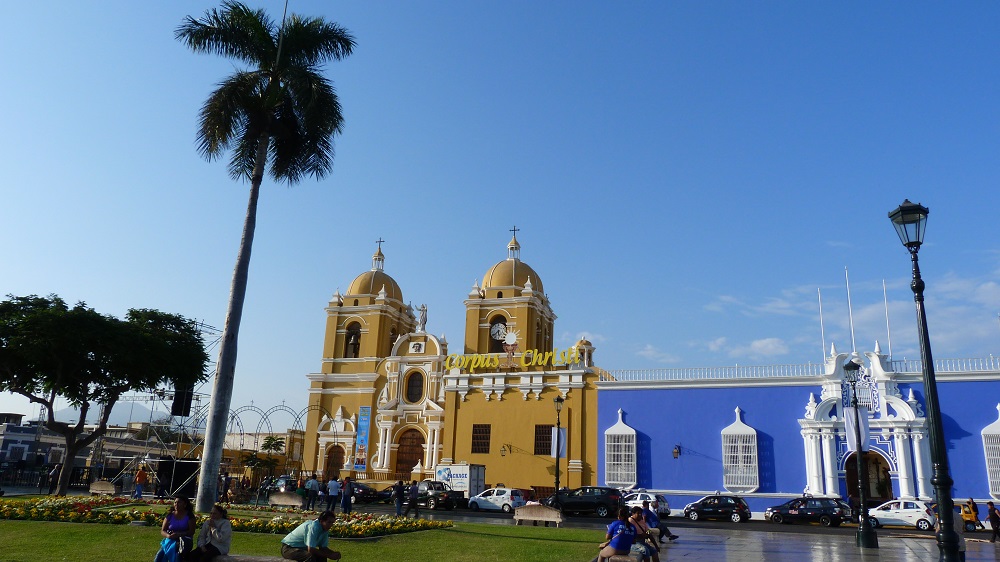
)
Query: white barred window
[
  {"x": 991, "y": 449},
  {"x": 739, "y": 457},
  {"x": 619, "y": 455}
]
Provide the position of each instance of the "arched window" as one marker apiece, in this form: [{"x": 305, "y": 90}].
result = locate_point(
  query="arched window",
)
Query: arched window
[
  {"x": 498, "y": 329},
  {"x": 353, "y": 347},
  {"x": 499, "y": 294},
  {"x": 414, "y": 387},
  {"x": 355, "y": 302}
]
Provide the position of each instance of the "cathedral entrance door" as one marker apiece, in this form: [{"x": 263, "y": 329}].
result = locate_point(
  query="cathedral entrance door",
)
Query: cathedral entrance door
[
  {"x": 879, "y": 489},
  {"x": 334, "y": 461},
  {"x": 410, "y": 451}
]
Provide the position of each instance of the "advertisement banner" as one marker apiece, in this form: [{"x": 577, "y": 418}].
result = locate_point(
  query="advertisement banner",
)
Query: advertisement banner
[
  {"x": 558, "y": 436},
  {"x": 361, "y": 449}
]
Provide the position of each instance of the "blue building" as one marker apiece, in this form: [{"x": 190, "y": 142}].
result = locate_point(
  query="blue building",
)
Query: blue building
[{"x": 775, "y": 432}]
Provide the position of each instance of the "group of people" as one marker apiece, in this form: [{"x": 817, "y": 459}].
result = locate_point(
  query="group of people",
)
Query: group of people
[
  {"x": 638, "y": 530},
  {"x": 309, "y": 542},
  {"x": 337, "y": 491},
  {"x": 178, "y": 544}
]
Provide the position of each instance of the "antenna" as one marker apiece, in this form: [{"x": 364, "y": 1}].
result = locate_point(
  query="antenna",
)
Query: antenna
[
  {"x": 888, "y": 333},
  {"x": 822, "y": 330},
  {"x": 850, "y": 310}
]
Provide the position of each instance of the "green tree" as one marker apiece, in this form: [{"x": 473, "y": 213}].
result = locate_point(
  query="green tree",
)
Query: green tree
[
  {"x": 49, "y": 350},
  {"x": 273, "y": 444},
  {"x": 279, "y": 113}
]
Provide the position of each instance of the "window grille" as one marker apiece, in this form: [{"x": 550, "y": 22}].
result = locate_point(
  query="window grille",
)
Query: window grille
[
  {"x": 991, "y": 450},
  {"x": 543, "y": 439},
  {"x": 481, "y": 437},
  {"x": 739, "y": 457},
  {"x": 620, "y": 455},
  {"x": 55, "y": 456}
]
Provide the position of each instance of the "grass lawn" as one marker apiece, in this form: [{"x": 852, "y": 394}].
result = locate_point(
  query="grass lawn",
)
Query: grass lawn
[{"x": 29, "y": 541}]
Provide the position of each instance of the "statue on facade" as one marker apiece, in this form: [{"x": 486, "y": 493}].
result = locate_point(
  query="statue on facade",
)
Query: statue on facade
[{"x": 423, "y": 318}]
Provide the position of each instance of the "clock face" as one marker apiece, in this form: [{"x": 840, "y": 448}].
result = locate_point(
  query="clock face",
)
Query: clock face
[{"x": 498, "y": 331}]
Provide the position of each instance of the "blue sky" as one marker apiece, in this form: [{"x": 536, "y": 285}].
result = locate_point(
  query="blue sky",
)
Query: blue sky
[{"x": 684, "y": 175}]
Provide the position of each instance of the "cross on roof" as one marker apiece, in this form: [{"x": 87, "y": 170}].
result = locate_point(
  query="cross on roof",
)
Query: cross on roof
[
  {"x": 379, "y": 242},
  {"x": 514, "y": 230}
]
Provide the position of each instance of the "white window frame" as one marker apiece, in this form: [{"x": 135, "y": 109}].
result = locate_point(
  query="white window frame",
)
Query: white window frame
[
  {"x": 22, "y": 448},
  {"x": 620, "y": 455},
  {"x": 740, "y": 466},
  {"x": 991, "y": 453}
]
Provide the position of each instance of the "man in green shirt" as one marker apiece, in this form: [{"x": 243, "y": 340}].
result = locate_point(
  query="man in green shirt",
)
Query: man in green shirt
[{"x": 308, "y": 542}]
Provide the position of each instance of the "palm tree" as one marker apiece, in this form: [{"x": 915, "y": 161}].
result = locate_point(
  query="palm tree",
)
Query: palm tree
[
  {"x": 273, "y": 444},
  {"x": 279, "y": 113}
]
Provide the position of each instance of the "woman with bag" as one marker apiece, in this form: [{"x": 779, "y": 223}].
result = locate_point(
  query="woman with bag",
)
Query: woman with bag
[{"x": 177, "y": 530}]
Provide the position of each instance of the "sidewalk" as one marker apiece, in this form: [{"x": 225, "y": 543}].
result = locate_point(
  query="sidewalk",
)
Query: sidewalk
[{"x": 735, "y": 545}]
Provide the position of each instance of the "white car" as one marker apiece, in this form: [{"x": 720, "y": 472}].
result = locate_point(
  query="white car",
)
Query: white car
[
  {"x": 636, "y": 499},
  {"x": 901, "y": 512},
  {"x": 503, "y": 499}
]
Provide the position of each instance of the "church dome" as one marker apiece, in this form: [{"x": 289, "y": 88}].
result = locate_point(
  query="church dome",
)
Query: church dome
[
  {"x": 512, "y": 272},
  {"x": 371, "y": 282}
]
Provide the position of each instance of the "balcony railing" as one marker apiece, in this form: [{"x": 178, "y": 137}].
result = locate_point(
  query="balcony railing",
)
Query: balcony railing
[
  {"x": 734, "y": 372},
  {"x": 968, "y": 365}
]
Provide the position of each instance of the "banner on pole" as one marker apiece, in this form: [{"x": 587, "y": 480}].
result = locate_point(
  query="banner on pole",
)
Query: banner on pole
[
  {"x": 361, "y": 449},
  {"x": 559, "y": 438}
]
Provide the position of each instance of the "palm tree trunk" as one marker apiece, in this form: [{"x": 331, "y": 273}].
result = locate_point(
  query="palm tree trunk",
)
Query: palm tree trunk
[{"x": 222, "y": 391}]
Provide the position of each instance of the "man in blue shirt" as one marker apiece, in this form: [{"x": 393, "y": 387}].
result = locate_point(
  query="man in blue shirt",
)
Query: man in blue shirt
[
  {"x": 309, "y": 541},
  {"x": 653, "y": 522}
]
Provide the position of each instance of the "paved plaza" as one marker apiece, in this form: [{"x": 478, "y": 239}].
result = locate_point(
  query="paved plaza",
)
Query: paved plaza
[{"x": 739, "y": 546}]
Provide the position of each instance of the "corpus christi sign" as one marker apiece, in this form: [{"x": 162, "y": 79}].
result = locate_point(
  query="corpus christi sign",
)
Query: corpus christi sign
[{"x": 530, "y": 358}]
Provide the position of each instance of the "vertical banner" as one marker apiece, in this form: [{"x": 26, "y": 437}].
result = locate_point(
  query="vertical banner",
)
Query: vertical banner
[
  {"x": 561, "y": 438},
  {"x": 849, "y": 420},
  {"x": 361, "y": 448}
]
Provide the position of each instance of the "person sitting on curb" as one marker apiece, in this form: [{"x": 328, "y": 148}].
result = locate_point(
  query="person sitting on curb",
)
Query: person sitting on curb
[
  {"x": 620, "y": 536},
  {"x": 215, "y": 537},
  {"x": 309, "y": 542},
  {"x": 641, "y": 546},
  {"x": 649, "y": 513}
]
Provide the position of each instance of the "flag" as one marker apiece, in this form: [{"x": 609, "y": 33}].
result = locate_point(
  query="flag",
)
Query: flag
[
  {"x": 849, "y": 417},
  {"x": 561, "y": 439}
]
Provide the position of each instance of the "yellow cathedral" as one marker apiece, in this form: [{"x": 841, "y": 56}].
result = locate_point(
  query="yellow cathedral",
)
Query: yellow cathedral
[{"x": 392, "y": 402}]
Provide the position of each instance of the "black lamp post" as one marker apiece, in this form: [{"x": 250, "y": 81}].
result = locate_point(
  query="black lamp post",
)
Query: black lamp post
[
  {"x": 558, "y": 400},
  {"x": 866, "y": 537},
  {"x": 910, "y": 221}
]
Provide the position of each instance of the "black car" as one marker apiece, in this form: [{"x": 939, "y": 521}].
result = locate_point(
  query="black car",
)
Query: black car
[
  {"x": 599, "y": 500},
  {"x": 825, "y": 511},
  {"x": 729, "y": 507},
  {"x": 363, "y": 493},
  {"x": 282, "y": 483}
]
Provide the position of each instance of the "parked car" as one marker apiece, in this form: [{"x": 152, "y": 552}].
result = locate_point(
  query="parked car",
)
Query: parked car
[
  {"x": 825, "y": 511},
  {"x": 433, "y": 494},
  {"x": 385, "y": 494},
  {"x": 900, "y": 512},
  {"x": 363, "y": 493},
  {"x": 599, "y": 500},
  {"x": 717, "y": 506},
  {"x": 283, "y": 484},
  {"x": 503, "y": 499},
  {"x": 636, "y": 499}
]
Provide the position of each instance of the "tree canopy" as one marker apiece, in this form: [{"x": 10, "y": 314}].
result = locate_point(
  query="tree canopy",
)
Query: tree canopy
[{"x": 50, "y": 350}]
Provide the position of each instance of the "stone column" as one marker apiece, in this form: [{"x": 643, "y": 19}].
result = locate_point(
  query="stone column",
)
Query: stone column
[
  {"x": 922, "y": 460},
  {"x": 830, "y": 463},
  {"x": 904, "y": 466},
  {"x": 814, "y": 469}
]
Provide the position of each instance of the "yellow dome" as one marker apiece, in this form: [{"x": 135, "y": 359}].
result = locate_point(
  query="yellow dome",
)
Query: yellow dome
[
  {"x": 512, "y": 272},
  {"x": 371, "y": 282}
]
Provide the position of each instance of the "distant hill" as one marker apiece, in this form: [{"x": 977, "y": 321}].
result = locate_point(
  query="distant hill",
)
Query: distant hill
[{"x": 121, "y": 414}]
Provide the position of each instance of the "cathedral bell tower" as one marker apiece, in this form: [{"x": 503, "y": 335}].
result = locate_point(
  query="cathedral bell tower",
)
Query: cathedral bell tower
[{"x": 509, "y": 312}]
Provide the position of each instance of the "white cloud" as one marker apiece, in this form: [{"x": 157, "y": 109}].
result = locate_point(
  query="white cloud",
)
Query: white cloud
[
  {"x": 653, "y": 354},
  {"x": 716, "y": 344},
  {"x": 761, "y": 349}
]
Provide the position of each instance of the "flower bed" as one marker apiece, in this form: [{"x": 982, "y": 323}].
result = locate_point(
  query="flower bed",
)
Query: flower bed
[{"x": 83, "y": 510}]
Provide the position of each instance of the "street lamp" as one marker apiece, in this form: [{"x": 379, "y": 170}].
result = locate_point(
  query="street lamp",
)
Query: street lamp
[
  {"x": 866, "y": 537},
  {"x": 910, "y": 221},
  {"x": 558, "y": 400}
]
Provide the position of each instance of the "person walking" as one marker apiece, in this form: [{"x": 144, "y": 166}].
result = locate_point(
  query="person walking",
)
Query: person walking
[
  {"x": 312, "y": 492},
  {"x": 140, "y": 482},
  {"x": 959, "y": 526},
  {"x": 54, "y": 478},
  {"x": 975, "y": 512},
  {"x": 414, "y": 493},
  {"x": 994, "y": 517},
  {"x": 332, "y": 494},
  {"x": 397, "y": 495},
  {"x": 347, "y": 495}
]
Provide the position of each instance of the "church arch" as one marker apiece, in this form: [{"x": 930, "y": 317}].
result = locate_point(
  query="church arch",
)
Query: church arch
[
  {"x": 353, "y": 347},
  {"x": 334, "y": 461},
  {"x": 496, "y": 345},
  {"x": 410, "y": 450}
]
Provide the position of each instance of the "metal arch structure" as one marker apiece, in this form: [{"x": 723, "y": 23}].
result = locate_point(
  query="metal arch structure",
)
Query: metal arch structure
[
  {"x": 296, "y": 423},
  {"x": 238, "y": 412},
  {"x": 304, "y": 412}
]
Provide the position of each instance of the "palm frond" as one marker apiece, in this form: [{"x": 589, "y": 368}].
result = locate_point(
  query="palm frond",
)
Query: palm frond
[
  {"x": 225, "y": 114},
  {"x": 309, "y": 119},
  {"x": 235, "y": 31},
  {"x": 312, "y": 41}
]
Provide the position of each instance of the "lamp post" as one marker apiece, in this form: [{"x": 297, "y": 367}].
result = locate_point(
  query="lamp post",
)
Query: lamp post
[
  {"x": 910, "y": 221},
  {"x": 866, "y": 537},
  {"x": 558, "y": 401}
]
